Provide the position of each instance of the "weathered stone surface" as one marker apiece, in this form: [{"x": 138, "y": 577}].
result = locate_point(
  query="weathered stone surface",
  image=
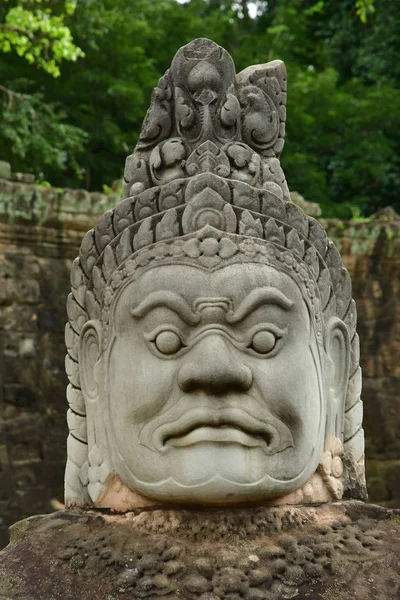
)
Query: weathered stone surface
[
  {"x": 23, "y": 177},
  {"x": 310, "y": 208},
  {"x": 27, "y": 204},
  {"x": 336, "y": 551},
  {"x": 34, "y": 273},
  {"x": 371, "y": 252},
  {"x": 212, "y": 349},
  {"x": 31, "y": 395},
  {"x": 5, "y": 170}
]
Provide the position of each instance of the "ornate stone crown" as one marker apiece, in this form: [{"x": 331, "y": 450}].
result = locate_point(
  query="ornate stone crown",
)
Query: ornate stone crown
[{"x": 204, "y": 184}]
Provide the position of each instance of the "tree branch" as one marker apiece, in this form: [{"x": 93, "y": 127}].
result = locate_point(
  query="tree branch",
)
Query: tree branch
[
  {"x": 19, "y": 30},
  {"x": 10, "y": 95}
]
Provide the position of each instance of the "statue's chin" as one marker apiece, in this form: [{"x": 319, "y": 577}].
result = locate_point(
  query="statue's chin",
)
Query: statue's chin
[
  {"x": 218, "y": 490},
  {"x": 215, "y": 491},
  {"x": 211, "y": 473}
]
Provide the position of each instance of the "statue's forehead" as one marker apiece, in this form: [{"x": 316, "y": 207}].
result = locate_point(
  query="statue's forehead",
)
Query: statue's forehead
[{"x": 233, "y": 281}]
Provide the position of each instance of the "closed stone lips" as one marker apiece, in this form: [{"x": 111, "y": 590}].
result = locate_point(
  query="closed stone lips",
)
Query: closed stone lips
[
  {"x": 271, "y": 434},
  {"x": 263, "y": 436}
]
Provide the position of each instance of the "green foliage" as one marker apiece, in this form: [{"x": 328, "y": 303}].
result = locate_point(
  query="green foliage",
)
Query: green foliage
[
  {"x": 343, "y": 60},
  {"x": 34, "y": 134},
  {"x": 115, "y": 190},
  {"x": 41, "y": 183},
  {"x": 342, "y": 142},
  {"x": 364, "y": 8},
  {"x": 36, "y": 33}
]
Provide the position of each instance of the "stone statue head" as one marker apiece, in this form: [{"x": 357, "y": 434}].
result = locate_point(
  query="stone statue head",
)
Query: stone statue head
[{"x": 212, "y": 350}]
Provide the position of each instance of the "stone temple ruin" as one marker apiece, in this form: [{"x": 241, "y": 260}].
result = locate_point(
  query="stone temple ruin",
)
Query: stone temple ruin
[{"x": 215, "y": 447}]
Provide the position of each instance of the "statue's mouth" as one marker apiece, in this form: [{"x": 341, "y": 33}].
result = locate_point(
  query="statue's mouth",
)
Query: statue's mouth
[
  {"x": 224, "y": 426},
  {"x": 223, "y": 433}
]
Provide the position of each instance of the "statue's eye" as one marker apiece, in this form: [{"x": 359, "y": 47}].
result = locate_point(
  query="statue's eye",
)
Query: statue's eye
[
  {"x": 263, "y": 341},
  {"x": 168, "y": 342}
]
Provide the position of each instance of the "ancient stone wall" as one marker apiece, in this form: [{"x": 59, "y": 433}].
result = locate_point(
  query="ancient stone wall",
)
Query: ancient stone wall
[
  {"x": 371, "y": 252},
  {"x": 40, "y": 233}
]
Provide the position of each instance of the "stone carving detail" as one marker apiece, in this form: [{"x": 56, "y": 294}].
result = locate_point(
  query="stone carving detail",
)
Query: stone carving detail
[
  {"x": 245, "y": 163},
  {"x": 208, "y": 158},
  {"x": 254, "y": 553},
  {"x": 167, "y": 161},
  {"x": 206, "y": 229},
  {"x": 225, "y": 124},
  {"x": 264, "y": 107}
]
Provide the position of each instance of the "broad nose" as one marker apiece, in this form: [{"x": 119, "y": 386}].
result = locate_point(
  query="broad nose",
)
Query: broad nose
[{"x": 212, "y": 365}]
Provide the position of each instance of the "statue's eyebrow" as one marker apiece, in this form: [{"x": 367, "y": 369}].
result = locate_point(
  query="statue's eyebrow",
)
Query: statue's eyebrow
[
  {"x": 256, "y": 298},
  {"x": 170, "y": 300}
]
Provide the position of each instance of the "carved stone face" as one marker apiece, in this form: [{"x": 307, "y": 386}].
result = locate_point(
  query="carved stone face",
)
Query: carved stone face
[
  {"x": 202, "y": 383},
  {"x": 212, "y": 385}
]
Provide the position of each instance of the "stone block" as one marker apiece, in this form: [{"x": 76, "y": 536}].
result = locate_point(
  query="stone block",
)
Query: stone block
[
  {"x": 22, "y": 371},
  {"x": 25, "y": 291},
  {"x": 27, "y": 347},
  {"x": 100, "y": 203},
  {"x": 22, "y": 262},
  {"x": 6, "y": 190},
  {"x": 25, "y": 474},
  {"x": 344, "y": 550},
  {"x": 3, "y": 290},
  {"x": 5, "y": 170},
  {"x": 53, "y": 476},
  {"x": 6, "y": 267},
  {"x": 6, "y": 486},
  {"x": 19, "y": 395},
  {"x": 54, "y": 449},
  {"x": 393, "y": 480},
  {"x": 33, "y": 500},
  {"x": 20, "y": 209},
  {"x": 23, "y": 177},
  {"x": 27, "y": 426},
  {"x": 19, "y": 318},
  {"x": 310, "y": 208},
  {"x": 20, "y": 345},
  {"x": 4, "y": 460}
]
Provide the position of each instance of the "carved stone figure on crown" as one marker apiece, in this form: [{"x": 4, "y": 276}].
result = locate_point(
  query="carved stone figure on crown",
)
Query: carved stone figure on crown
[{"x": 212, "y": 350}]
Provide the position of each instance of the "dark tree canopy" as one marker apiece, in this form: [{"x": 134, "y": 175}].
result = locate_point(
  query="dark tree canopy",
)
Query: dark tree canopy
[{"x": 342, "y": 147}]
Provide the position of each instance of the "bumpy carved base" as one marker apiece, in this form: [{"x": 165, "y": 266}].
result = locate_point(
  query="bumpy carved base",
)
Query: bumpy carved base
[{"x": 333, "y": 551}]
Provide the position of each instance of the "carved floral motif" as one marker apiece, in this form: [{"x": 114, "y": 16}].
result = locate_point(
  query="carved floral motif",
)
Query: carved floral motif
[{"x": 200, "y": 101}]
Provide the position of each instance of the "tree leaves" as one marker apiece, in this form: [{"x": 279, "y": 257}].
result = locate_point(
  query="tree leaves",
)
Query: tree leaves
[
  {"x": 39, "y": 35},
  {"x": 342, "y": 147},
  {"x": 35, "y": 135}
]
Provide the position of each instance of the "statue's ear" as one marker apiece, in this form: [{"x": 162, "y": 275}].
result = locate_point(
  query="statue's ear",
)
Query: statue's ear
[
  {"x": 89, "y": 354},
  {"x": 337, "y": 348}
]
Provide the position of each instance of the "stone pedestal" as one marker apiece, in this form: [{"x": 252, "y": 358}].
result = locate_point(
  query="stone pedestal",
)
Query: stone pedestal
[{"x": 328, "y": 552}]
